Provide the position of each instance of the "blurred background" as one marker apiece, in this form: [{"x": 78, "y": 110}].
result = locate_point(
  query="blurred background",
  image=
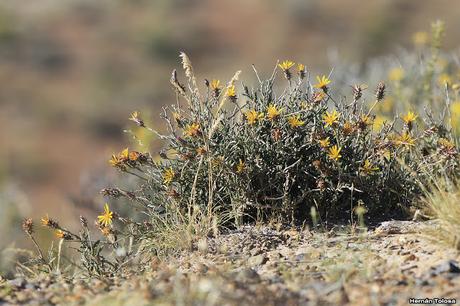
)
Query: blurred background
[{"x": 72, "y": 71}]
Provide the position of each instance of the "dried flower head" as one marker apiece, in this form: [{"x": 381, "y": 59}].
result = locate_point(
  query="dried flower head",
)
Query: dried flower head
[
  {"x": 380, "y": 91},
  {"x": 28, "y": 226},
  {"x": 318, "y": 96},
  {"x": 358, "y": 91},
  {"x": 348, "y": 128},
  {"x": 276, "y": 134}
]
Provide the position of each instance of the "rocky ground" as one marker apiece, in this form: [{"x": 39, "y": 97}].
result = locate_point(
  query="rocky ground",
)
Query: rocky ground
[{"x": 267, "y": 266}]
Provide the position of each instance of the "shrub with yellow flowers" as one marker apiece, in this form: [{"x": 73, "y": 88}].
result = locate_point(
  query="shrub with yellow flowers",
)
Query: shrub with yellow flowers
[{"x": 235, "y": 154}]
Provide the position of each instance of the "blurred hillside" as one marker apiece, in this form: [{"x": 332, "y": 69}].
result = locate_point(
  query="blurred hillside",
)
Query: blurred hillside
[{"x": 72, "y": 71}]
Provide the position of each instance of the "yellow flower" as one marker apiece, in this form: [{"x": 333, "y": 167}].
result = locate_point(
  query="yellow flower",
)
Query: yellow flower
[
  {"x": 60, "y": 234},
  {"x": 46, "y": 220},
  {"x": 273, "y": 112},
  {"x": 192, "y": 130},
  {"x": 324, "y": 143},
  {"x": 252, "y": 116},
  {"x": 301, "y": 70},
  {"x": 231, "y": 91},
  {"x": 420, "y": 38},
  {"x": 286, "y": 65},
  {"x": 409, "y": 118},
  {"x": 322, "y": 82},
  {"x": 396, "y": 74},
  {"x": 331, "y": 118},
  {"x": 215, "y": 84},
  {"x": 405, "y": 140},
  {"x": 168, "y": 176},
  {"x": 106, "y": 217},
  {"x": 368, "y": 168},
  {"x": 240, "y": 167},
  {"x": 115, "y": 161},
  {"x": 334, "y": 153},
  {"x": 294, "y": 121},
  {"x": 124, "y": 155}
]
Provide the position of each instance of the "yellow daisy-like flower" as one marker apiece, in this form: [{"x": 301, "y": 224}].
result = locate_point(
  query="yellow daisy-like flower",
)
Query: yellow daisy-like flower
[
  {"x": 334, "y": 153},
  {"x": 331, "y": 118},
  {"x": 192, "y": 130},
  {"x": 405, "y": 140},
  {"x": 286, "y": 65},
  {"x": 294, "y": 121},
  {"x": 252, "y": 116},
  {"x": 324, "y": 143},
  {"x": 396, "y": 74},
  {"x": 45, "y": 220},
  {"x": 124, "y": 155},
  {"x": 273, "y": 112},
  {"x": 409, "y": 118},
  {"x": 168, "y": 176},
  {"x": 60, "y": 234},
  {"x": 115, "y": 161},
  {"x": 215, "y": 84},
  {"x": 301, "y": 68},
  {"x": 240, "y": 167},
  {"x": 323, "y": 81},
  {"x": 368, "y": 168},
  {"x": 106, "y": 217},
  {"x": 231, "y": 92}
]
